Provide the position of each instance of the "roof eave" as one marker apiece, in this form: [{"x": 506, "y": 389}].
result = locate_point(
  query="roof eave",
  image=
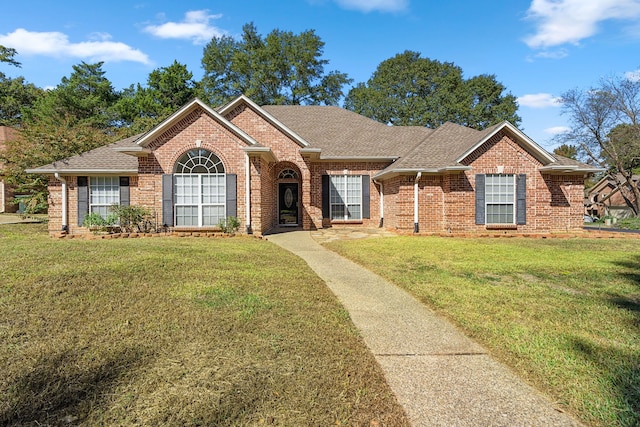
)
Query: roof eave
[
  {"x": 263, "y": 152},
  {"x": 411, "y": 171},
  {"x": 361, "y": 158},
  {"x": 568, "y": 169},
  {"x": 136, "y": 151},
  {"x": 80, "y": 172}
]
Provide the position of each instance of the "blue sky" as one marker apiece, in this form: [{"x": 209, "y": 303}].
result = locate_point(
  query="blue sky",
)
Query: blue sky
[{"x": 537, "y": 48}]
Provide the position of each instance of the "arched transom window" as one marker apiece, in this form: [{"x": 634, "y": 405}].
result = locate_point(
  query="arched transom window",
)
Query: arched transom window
[
  {"x": 288, "y": 174},
  {"x": 199, "y": 189},
  {"x": 199, "y": 161}
]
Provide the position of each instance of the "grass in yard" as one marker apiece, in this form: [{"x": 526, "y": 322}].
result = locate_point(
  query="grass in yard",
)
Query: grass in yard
[
  {"x": 565, "y": 314},
  {"x": 168, "y": 331}
]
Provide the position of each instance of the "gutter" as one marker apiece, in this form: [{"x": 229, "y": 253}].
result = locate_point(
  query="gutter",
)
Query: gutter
[
  {"x": 381, "y": 224},
  {"x": 416, "y": 227},
  {"x": 65, "y": 225}
]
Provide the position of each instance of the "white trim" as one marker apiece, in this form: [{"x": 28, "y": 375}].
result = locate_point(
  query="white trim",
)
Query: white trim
[
  {"x": 513, "y": 203},
  {"x": 528, "y": 142}
]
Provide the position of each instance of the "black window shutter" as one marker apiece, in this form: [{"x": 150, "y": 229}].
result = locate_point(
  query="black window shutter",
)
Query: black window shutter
[
  {"x": 83, "y": 198},
  {"x": 325, "y": 196},
  {"x": 521, "y": 199},
  {"x": 480, "y": 208},
  {"x": 366, "y": 196},
  {"x": 167, "y": 200},
  {"x": 232, "y": 195},
  {"x": 124, "y": 191}
]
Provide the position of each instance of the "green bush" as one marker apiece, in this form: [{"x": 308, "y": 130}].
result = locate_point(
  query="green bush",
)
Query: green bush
[
  {"x": 95, "y": 221},
  {"x": 132, "y": 218},
  {"x": 230, "y": 225}
]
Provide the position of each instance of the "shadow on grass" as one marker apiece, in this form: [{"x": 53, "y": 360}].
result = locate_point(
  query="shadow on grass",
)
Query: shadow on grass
[
  {"x": 622, "y": 371},
  {"x": 630, "y": 273},
  {"x": 62, "y": 389}
]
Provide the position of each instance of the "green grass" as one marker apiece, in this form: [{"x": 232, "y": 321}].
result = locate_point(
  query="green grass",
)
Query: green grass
[
  {"x": 565, "y": 314},
  {"x": 169, "y": 331}
]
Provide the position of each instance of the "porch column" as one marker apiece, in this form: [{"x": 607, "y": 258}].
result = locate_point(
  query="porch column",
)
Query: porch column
[
  {"x": 247, "y": 193},
  {"x": 65, "y": 225}
]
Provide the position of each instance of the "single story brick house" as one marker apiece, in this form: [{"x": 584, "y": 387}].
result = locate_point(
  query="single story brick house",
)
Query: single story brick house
[{"x": 320, "y": 166}]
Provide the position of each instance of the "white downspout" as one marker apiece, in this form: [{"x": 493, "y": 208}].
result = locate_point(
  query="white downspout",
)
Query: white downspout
[
  {"x": 247, "y": 193},
  {"x": 381, "y": 203},
  {"x": 416, "y": 227},
  {"x": 65, "y": 225}
]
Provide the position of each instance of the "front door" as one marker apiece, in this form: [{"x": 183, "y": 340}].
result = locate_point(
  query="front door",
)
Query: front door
[{"x": 288, "y": 204}]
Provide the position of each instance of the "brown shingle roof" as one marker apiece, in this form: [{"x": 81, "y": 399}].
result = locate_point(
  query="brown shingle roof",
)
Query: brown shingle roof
[
  {"x": 342, "y": 133},
  {"x": 338, "y": 133},
  {"x": 103, "y": 159}
]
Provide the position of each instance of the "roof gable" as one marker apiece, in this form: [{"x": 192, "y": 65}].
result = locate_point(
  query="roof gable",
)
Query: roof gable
[
  {"x": 196, "y": 103},
  {"x": 519, "y": 137},
  {"x": 264, "y": 113}
]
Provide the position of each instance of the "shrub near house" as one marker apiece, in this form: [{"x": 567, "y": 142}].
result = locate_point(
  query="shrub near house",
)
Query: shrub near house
[{"x": 317, "y": 166}]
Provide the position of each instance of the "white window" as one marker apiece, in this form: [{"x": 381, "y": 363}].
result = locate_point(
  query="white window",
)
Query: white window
[
  {"x": 500, "y": 196},
  {"x": 200, "y": 189},
  {"x": 104, "y": 191},
  {"x": 346, "y": 197}
]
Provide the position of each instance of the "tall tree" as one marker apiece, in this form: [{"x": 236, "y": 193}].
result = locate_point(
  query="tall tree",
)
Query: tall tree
[
  {"x": 410, "y": 90},
  {"x": 65, "y": 121},
  {"x": 7, "y": 55},
  {"x": 168, "y": 88},
  {"x": 16, "y": 94},
  {"x": 605, "y": 124},
  {"x": 86, "y": 96},
  {"x": 282, "y": 68},
  {"x": 567, "y": 150}
]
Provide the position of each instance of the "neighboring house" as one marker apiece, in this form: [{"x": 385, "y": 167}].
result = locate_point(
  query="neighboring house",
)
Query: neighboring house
[
  {"x": 6, "y": 193},
  {"x": 321, "y": 166},
  {"x": 606, "y": 198}
]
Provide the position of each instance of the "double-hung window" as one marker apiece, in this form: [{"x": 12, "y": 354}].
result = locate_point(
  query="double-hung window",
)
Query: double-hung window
[
  {"x": 500, "y": 199},
  {"x": 346, "y": 197},
  {"x": 104, "y": 191}
]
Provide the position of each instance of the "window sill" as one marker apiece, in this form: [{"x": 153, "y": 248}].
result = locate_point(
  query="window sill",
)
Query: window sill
[
  {"x": 501, "y": 227},
  {"x": 355, "y": 221}
]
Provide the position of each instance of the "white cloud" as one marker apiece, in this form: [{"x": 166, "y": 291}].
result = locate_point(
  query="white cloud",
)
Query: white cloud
[
  {"x": 195, "y": 26},
  {"x": 56, "y": 44},
  {"x": 634, "y": 76},
  {"x": 371, "y": 5},
  {"x": 539, "y": 100},
  {"x": 556, "y": 130},
  {"x": 560, "y": 22}
]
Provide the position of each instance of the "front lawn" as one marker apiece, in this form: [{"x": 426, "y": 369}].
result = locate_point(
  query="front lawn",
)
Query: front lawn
[
  {"x": 170, "y": 331},
  {"x": 565, "y": 314}
]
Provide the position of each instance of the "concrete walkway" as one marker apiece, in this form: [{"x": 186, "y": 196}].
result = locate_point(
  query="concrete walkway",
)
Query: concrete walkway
[{"x": 440, "y": 377}]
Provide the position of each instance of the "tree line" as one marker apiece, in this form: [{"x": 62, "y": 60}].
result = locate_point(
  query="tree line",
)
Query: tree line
[{"x": 85, "y": 111}]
